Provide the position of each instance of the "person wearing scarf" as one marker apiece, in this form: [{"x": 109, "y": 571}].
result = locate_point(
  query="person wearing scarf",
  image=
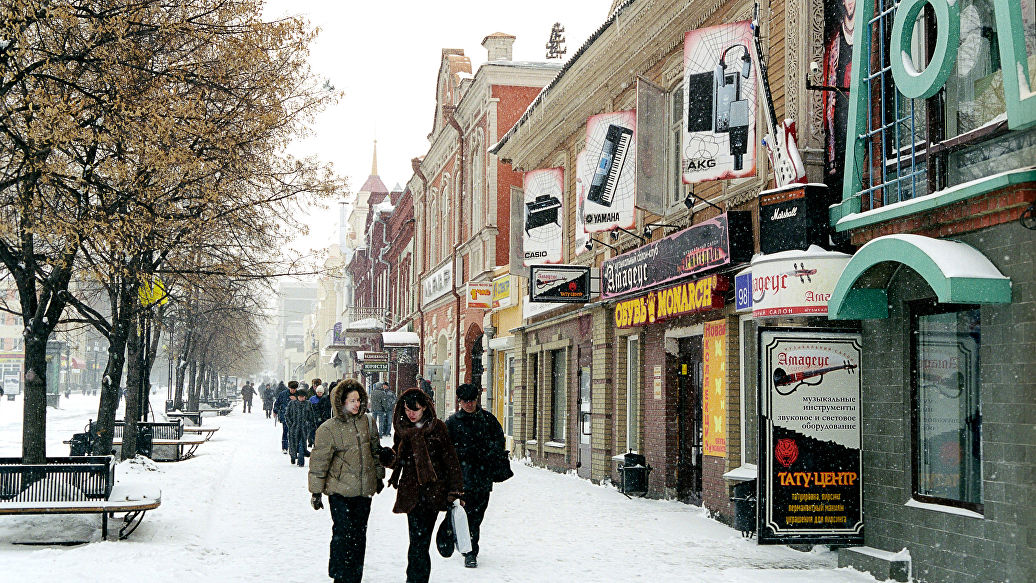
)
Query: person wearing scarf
[{"x": 425, "y": 472}]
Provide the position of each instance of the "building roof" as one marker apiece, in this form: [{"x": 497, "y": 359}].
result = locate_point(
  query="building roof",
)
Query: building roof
[{"x": 373, "y": 184}]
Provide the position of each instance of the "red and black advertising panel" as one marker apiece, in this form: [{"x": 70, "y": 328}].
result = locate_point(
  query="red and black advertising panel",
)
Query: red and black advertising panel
[
  {"x": 810, "y": 466},
  {"x": 559, "y": 283},
  {"x": 707, "y": 245}
]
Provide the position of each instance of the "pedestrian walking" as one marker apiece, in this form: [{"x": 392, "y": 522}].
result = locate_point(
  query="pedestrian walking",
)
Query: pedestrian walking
[
  {"x": 344, "y": 465},
  {"x": 297, "y": 418},
  {"x": 424, "y": 385},
  {"x": 425, "y": 472},
  {"x": 280, "y": 407},
  {"x": 268, "y": 397},
  {"x": 479, "y": 442},
  {"x": 320, "y": 409},
  {"x": 384, "y": 401},
  {"x": 247, "y": 392}
]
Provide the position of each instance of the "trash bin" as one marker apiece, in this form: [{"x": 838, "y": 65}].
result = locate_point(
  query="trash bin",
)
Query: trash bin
[
  {"x": 144, "y": 435},
  {"x": 744, "y": 507},
  {"x": 79, "y": 444},
  {"x": 168, "y": 405},
  {"x": 634, "y": 471}
]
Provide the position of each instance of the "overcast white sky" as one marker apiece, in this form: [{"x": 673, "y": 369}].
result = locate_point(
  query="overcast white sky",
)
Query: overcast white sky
[{"x": 385, "y": 56}]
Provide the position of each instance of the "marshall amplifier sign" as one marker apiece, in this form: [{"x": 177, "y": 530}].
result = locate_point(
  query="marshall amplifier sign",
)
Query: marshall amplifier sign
[
  {"x": 810, "y": 467},
  {"x": 559, "y": 283},
  {"x": 793, "y": 217},
  {"x": 714, "y": 243}
]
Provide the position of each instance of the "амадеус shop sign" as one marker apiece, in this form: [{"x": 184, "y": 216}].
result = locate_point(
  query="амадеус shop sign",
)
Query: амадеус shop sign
[{"x": 810, "y": 488}]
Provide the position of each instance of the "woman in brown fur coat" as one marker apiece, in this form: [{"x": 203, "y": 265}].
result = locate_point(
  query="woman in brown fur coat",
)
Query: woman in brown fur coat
[{"x": 426, "y": 473}]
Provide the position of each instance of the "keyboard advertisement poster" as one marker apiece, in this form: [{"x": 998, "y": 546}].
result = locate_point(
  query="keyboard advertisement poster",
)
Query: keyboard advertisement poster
[
  {"x": 544, "y": 193},
  {"x": 611, "y": 153},
  {"x": 719, "y": 136}
]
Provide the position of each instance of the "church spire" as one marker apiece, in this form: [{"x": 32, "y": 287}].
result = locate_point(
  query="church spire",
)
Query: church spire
[{"x": 374, "y": 163}]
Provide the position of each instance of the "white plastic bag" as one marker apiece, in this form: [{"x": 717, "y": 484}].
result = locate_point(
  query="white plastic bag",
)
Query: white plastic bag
[{"x": 460, "y": 527}]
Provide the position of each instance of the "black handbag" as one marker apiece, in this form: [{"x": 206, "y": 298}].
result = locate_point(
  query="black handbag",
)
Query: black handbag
[
  {"x": 445, "y": 538},
  {"x": 500, "y": 468}
]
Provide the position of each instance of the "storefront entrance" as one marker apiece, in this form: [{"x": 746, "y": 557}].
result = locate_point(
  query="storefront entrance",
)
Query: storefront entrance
[{"x": 689, "y": 369}]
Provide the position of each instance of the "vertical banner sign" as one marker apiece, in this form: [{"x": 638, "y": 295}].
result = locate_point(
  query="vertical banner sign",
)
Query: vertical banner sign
[
  {"x": 544, "y": 212},
  {"x": 837, "y": 69},
  {"x": 583, "y": 178},
  {"x": 714, "y": 403},
  {"x": 719, "y": 137},
  {"x": 611, "y": 153},
  {"x": 811, "y": 487},
  {"x": 651, "y": 140}
]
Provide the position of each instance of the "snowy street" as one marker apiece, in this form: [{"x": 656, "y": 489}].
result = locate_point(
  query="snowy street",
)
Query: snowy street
[{"x": 239, "y": 512}]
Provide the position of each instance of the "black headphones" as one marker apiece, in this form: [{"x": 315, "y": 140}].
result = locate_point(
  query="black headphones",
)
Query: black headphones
[{"x": 746, "y": 64}]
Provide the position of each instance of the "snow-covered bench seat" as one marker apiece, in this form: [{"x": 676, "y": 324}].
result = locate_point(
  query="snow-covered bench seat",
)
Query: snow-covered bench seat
[
  {"x": 74, "y": 485},
  {"x": 205, "y": 432}
]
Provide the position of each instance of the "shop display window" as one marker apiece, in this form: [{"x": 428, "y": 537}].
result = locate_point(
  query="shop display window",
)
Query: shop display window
[{"x": 947, "y": 413}]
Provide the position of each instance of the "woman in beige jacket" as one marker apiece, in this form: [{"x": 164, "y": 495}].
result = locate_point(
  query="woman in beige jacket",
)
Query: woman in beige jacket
[{"x": 344, "y": 465}]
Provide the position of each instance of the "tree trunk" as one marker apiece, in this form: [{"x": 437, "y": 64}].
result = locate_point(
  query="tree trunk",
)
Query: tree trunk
[
  {"x": 192, "y": 392},
  {"x": 104, "y": 429},
  {"x": 181, "y": 370},
  {"x": 34, "y": 414},
  {"x": 132, "y": 414}
]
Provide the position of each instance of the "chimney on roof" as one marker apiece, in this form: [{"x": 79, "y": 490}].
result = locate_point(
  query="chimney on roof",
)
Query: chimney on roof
[{"x": 498, "y": 45}]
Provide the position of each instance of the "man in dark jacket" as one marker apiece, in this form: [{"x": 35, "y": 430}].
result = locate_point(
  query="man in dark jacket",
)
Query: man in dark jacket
[
  {"x": 320, "y": 407},
  {"x": 479, "y": 441},
  {"x": 247, "y": 392},
  {"x": 424, "y": 385},
  {"x": 279, "y": 406},
  {"x": 384, "y": 401}
]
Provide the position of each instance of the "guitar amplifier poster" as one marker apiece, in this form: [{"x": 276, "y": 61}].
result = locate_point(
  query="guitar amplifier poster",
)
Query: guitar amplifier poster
[
  {"x": 810, "y": 466},
  {"x": 544, "y": 216},
  {"x": 611, "y": 153},
  {"x": 719, "y": 136}
]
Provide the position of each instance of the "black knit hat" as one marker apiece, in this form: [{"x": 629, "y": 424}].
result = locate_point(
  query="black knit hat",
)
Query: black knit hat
[{"x": 467, "y": 392}]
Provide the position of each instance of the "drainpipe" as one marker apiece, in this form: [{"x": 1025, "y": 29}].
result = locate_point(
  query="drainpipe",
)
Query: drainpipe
[
  {"x": 450, "y": 113},
  {"x": 415, "y": 163},
  {"x": 490, "y": 357}
]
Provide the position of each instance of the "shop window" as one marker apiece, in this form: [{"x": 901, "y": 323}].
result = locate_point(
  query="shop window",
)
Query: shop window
[
  {"x": 947, "y": 413},
  {"x": 558, "y": 393},
  {"x": 633, "y": 394}
]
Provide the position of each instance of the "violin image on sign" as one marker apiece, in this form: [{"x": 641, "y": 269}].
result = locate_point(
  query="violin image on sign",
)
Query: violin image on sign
[{"x": 791, "y": 382}]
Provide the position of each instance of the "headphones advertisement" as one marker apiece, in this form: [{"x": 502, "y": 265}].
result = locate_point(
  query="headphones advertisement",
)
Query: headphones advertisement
[{"x": 719, "y": 136}]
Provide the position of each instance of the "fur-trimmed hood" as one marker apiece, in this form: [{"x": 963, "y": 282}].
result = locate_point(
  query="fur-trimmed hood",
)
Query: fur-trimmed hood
[
  {"x": 399, "y": 418},
  {"x": 339, "y": 392}
]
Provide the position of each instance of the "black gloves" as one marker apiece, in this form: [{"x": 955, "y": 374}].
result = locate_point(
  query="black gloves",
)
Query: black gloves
[
  {"x": 316, "y": 502},
  {"x": 386, "y": 455}
]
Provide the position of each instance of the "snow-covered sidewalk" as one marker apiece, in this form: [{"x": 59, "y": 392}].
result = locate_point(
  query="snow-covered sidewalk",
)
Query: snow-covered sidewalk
[{"x": 239, "y": 512}]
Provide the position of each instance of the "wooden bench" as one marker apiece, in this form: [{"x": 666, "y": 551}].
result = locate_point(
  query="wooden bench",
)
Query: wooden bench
[
  {"x": 192, "y": 416},
  {"x": 74, "y": 485},
  {"x": 205, "y": 432},
  {"x": 221, "y": 411}
]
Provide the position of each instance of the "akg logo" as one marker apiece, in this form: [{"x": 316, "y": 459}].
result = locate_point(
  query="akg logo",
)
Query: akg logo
[{"x": 701, "y": 163}]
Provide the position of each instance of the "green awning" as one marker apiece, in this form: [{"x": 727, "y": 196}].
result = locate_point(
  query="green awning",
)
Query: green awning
[{"x": 957, "y": 272}]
